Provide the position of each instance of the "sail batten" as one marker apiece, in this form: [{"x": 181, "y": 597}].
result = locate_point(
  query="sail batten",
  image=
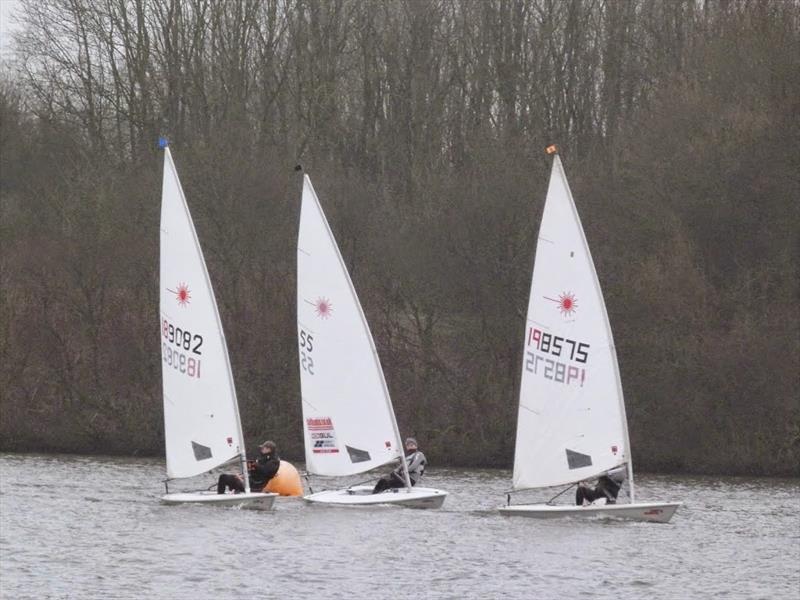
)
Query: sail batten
[
  {"x": 201, "y": 415},
  {"x": 571, "y": 423},
  {"x": 348, "y": 420}
]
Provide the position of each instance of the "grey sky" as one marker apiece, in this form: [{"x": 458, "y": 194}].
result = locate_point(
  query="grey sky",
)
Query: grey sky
[{"x": 7, "y": 7}]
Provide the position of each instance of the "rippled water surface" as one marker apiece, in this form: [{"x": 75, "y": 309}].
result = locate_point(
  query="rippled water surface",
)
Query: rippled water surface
[{"x": 88, "y": 527}]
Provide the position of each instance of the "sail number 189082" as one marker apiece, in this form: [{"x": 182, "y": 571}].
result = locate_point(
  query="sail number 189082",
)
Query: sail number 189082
[
  {"x": 175, "y": 342},
  {"x": 181, "y": 337}
]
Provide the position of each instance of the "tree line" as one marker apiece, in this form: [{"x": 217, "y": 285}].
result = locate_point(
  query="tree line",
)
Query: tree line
[{"x": 422, "y": 124}]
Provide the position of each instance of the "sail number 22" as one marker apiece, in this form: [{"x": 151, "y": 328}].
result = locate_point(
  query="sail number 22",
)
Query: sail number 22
[{"x": 306, "y": 348}]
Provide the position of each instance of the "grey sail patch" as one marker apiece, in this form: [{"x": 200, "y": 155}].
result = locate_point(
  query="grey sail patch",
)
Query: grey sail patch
[
  {"x": 201, "y": 452},
  {"x": 357, "y": 455},
  {"x": 577, "y": 460}
]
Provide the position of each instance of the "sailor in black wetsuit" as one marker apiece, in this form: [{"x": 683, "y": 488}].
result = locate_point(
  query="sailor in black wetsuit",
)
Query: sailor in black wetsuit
[
  {"x": 607, "y": 487},
  {"x": 260, "y": 471}
]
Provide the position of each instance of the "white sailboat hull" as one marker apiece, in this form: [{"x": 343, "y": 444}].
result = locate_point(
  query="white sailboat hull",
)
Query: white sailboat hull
[
  {"x": 657, "y": 512},
  {"x": 361, "y": 495},
  {"x": 253, "y": 500}
]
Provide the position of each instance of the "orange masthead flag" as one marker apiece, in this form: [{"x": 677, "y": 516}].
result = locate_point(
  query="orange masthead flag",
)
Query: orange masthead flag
[{"x": 551, "y": 149}]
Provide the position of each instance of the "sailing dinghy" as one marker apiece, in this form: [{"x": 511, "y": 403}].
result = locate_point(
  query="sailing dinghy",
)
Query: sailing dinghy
[
  {"x": 348, "y": 421},
  {"x": 571, "y": 423},
  {"x": 202, "y": 428}
]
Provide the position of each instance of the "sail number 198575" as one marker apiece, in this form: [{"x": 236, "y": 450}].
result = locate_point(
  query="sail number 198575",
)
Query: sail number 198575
[
  {"x": 555, "y": 345},
  {"x": 539, "y": 363}
]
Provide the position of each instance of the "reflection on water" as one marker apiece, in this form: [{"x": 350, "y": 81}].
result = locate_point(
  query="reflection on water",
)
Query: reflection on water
[{"x": 81, "y": 527}]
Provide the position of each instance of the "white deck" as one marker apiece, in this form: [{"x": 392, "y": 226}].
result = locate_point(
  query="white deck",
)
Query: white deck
[
  {"x": 253, "y": 500},
  {"x": 658, "y": 512},
  {"x": 361, "y": 495}
]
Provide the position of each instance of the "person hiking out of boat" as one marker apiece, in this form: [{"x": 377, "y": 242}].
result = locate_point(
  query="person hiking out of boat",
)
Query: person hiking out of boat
[
  {"x": 607, "y": 487},
  {"x": 416, "y": 462},
  {"x": 260, "y": 471}
]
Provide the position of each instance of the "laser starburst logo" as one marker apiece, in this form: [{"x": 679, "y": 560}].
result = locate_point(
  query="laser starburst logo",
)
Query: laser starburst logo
[
  {"x": 566, "y": 302},
  {"x": 323, "y": 308},
  {"x": 182, "y": 294}
]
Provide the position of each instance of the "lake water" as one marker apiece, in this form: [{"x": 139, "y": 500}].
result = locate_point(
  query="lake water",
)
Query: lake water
[{"x": 92, "y": 527}]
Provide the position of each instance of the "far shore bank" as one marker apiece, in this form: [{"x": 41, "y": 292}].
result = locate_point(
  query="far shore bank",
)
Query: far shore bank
[{"x": 300, "y": 461}]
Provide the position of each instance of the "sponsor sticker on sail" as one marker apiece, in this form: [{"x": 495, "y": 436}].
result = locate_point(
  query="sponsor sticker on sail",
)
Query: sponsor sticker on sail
[{"x": 322, "y": 434}]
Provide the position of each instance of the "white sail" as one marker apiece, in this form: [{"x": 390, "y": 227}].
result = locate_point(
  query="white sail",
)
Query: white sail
[
  {"x": 201, "y": 417},
  {"x": 571, "y": 424},
  {"x": 348, "y": 420}
]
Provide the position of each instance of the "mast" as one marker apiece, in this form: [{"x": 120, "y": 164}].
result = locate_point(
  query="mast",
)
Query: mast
[
  {"x": 559, "y": 417},
  {"x": 370, "y": 339},
  {"x": 607, "y": 325},
  {"x": 220, "y": 330},
  {"x": 403, "y": 461}
]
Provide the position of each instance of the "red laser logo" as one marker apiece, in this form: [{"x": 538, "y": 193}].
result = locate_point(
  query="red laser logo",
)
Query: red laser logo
[{"x": 182, "y": 294}]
